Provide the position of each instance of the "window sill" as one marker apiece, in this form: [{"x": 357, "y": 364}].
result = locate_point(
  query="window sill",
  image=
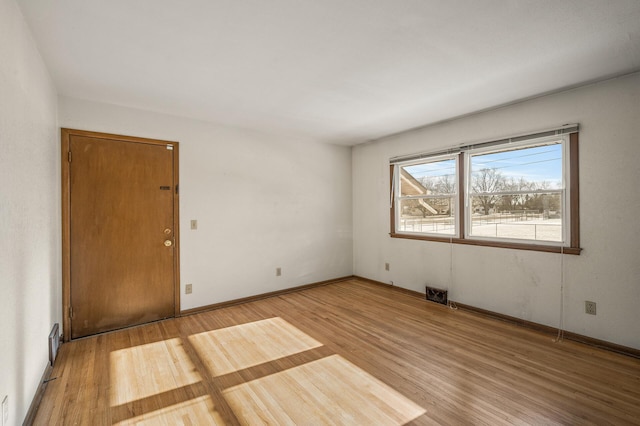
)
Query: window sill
[{"x": 497, "y": 244}]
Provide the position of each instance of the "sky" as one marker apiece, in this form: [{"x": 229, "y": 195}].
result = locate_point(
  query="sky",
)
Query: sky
[{"x": 536, "y": 164}]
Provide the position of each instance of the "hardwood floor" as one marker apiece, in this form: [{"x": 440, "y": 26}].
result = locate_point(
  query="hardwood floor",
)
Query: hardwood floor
[{"x": 344, "y": 353}]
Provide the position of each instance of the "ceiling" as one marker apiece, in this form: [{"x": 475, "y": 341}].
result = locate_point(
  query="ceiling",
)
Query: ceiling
[{"x": 337, "y": 71}]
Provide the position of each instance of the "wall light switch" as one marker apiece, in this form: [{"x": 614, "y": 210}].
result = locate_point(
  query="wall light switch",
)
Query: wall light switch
[
  {"x": 188, "y": 289},
  {"x": 194, "y": 224}
]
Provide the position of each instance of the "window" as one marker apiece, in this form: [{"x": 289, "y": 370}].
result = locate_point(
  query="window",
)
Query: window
[
  {"x": 427, "y": 197},
  {"x": 519, "y": 193}
]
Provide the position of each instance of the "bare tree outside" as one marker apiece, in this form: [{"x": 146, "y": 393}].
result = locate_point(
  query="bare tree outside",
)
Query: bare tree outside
[
  {"x": 446, "y": 184},
  {"x": 486, "y": 181},
  {"x": 515, "y": 201}
]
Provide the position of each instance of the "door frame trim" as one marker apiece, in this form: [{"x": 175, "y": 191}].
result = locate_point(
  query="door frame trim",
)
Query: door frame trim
[{"x": 66, "y": 217}]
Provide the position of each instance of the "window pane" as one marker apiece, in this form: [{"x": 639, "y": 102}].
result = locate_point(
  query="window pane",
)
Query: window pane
[
  {"x": 500, "y": 204},
  {"x": 529, "y": 168},
  {"x": 427, "y": 215},
  {"x": 432, "y": 178},
  {"x": 531, "y": 216}
]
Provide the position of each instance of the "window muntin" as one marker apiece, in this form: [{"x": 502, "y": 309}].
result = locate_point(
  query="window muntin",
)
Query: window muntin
[
  {"x": 518, "y": 192},
  {"x": 427, "y": 196}
]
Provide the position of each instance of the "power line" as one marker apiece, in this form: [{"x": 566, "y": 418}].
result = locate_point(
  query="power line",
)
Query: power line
[
  {"x": 428, "y": 172},
  {"x": 522, "y": 164}
]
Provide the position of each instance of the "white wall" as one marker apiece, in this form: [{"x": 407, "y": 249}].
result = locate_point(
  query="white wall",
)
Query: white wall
[
  {"x": 260, "y": 202},
  {"x": 29, "y": 212},
  {"x": 526, "y": 284}
]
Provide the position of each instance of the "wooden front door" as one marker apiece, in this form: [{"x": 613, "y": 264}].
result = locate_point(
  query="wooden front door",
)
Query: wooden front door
[{"x": 122, "y": 226}]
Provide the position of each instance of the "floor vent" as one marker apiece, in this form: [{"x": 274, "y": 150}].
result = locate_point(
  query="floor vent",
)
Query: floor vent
[
  {"x": 437, "y": 295},
  {"x": 54, "y": 343}
]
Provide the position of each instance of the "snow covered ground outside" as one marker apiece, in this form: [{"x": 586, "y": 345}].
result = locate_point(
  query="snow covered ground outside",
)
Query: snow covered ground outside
[{"x": 537, "y": 229}]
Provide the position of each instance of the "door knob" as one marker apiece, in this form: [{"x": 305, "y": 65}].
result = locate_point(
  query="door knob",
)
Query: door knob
[
  {"x": 167, "y": 231},
  {"x": 167, "y": 243}
]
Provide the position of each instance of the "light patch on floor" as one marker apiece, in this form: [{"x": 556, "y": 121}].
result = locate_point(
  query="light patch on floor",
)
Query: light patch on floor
[
  {"x": 145, "y": 370},
  {"x": 198, "y": 411},
  {"x": 235, "y": 348},
  {"x": 327, "y": 391}
]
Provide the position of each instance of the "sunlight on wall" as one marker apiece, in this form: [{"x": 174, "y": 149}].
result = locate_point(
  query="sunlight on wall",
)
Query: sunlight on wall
[
  {"x": 235, "y": 348},
  {"x": 146, "y": 370},
  {"x": 198, "y": 411},
  {"x": 330, "y": 390}
]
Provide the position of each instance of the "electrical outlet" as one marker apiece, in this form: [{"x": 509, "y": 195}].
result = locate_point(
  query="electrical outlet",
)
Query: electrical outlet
[
  {"x": 194, "y": 224},
  {"x": 386, "y": 266},
  {"x": 590, "y": 307},
  {"x": 5, "y": 410},
  {"x": 188, "y": 289},
  {"x": 278, "y": 272}
]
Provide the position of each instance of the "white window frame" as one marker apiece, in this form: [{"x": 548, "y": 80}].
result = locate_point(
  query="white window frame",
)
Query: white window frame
[
  {"x": 398, "y": 198},
  {"x": 564, "y": 190}
]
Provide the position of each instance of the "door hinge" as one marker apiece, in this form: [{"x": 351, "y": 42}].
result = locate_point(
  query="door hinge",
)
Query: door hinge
[
  {"x": 69, "y": 156},
  {"x": 70, "y": 312},
  {"x": 176, "y": 189}
]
